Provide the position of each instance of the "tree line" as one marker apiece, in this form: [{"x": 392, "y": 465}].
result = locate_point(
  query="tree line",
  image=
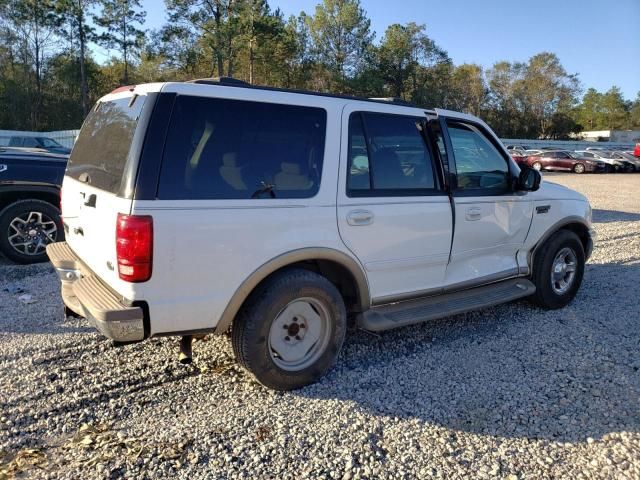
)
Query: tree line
[{"x": 49, "y": 77}]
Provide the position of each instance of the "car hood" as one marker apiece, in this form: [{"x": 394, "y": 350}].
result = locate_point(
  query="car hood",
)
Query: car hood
[{"x": 554, "y": 191}]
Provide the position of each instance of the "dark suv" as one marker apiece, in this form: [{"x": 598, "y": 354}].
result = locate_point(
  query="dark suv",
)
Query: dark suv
[
  {"x": 44, "y": 143},
  {"x": 29, "y": 203}
]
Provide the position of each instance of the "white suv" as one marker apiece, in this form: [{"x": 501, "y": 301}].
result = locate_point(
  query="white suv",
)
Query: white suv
[{"x": 213, "y": 205}]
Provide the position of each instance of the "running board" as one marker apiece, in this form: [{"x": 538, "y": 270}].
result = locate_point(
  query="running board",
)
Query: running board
[{"x": 421, "y": 310}]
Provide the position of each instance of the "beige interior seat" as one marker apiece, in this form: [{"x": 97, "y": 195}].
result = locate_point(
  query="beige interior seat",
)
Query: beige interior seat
[
  {"x": 231, "y": 172},
  {"x": 291, "y": 178}
]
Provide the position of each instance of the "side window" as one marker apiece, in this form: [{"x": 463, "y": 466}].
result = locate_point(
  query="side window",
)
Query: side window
[
  {"x": 388, "y": 156},
  {"x": 358, "y": 178},
  {"x": 480, "y": 167},
  {"x": 436, "y": 132},
  {"x": 232, "y": 149},
  {"x": 30, "y": 142}
]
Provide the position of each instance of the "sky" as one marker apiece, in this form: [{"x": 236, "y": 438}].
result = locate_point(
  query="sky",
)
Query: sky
[{"x": 597, "y": 39}]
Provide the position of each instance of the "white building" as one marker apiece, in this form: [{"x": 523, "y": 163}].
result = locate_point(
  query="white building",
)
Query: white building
[{"x": 618, "y": 136}]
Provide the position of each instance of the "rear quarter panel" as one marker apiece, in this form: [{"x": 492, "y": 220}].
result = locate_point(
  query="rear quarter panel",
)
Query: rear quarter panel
[{"x": 202, "y": 254}]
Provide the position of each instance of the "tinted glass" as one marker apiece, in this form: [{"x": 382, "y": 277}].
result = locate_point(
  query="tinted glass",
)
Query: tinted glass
[
  {"x": 49, "y": 142},
  {"x": 358, "y": 178},
  {"x": 30, "y": 142},
  {"x": 436, "y": 133},
  {"x": 481, "y": 168},
  {"x": 100, "y": 153},
  {"x": 230, "y": 149},
  {"x": 393, "y": 161}
]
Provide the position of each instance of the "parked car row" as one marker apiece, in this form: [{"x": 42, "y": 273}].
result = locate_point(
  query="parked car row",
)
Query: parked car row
[{"x": 590, "y": 160}]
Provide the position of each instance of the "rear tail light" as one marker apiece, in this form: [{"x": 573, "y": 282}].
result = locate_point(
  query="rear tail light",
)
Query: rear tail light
[{"x": 134, "y": 247}]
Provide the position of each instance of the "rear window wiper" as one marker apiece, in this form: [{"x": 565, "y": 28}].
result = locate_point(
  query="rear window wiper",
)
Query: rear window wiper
[{"x": 266, "y": 188}]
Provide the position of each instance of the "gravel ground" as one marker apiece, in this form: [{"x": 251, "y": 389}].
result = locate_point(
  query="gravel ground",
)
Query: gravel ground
[{"x": 510, "y": 392}]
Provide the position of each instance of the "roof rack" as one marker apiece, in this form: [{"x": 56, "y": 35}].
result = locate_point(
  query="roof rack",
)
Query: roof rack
[
  {"x": 229, "y": 81},
  {"x": 396, "y": 100},
  {"x": 234, "y": 82}
]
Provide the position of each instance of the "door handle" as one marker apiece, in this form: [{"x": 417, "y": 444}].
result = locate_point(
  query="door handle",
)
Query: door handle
[
  {"x": 359, "y": 218},
  {"x": 473, "y": 213}
]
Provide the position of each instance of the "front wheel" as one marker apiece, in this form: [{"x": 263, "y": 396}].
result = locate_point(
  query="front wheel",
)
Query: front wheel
[
  {"x": 537, "y": 166},
  {"x": 578, "y": 168},
  {"x": 558, "y": 270},
  {"x": 290, "y": 330},
  {"x": 26, "y": 228}
]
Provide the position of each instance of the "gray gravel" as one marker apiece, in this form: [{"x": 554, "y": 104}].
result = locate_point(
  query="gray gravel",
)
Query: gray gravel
[{"x": 510, "y": 392}]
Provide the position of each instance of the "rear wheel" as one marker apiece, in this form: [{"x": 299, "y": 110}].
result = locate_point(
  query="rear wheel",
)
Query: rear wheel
[
  {"x": 558, "y": 269},
  {"x": 290, "y": 330},
  {"x": 578, "y": 168},
  {"x": 536, "y": 166},
  {"x": 26, "y": 228}
]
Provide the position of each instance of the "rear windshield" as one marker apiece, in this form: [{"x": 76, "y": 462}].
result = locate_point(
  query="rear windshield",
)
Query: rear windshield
[
  {"x": 101, "y": 150},
  {"x": 232, "y": 149}
]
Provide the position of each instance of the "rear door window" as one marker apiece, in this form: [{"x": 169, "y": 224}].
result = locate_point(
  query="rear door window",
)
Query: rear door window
[
  {"x": 388, "y": 156},
  {"x": 233, "y": 149},
  {"x": 100, "y": 154}
]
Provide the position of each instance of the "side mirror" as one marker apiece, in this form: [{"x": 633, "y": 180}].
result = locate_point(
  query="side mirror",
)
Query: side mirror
[{"x": 529, "y": 179}]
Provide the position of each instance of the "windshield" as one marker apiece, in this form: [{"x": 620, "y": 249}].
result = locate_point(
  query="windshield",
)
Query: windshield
[{"x": 100, "y": 153}]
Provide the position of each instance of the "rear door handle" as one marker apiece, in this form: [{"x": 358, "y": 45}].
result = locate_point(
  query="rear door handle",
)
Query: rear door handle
[
  {"x": 473, "y": 213},
  {"x": 359, "y": 218}
]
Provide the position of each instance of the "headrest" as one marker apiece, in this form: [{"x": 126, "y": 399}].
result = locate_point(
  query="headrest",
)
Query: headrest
[
  {"x": 290, "y": 168},
  {"x": 229, "y": 159}
]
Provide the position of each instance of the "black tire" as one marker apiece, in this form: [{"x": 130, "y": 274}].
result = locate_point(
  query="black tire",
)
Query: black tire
[
  {"x": 251, "y": 329},
  {"x": 22, "y": 208},
  {"x": 578, "y": 168},
  {"x": 546, "y": 295}
]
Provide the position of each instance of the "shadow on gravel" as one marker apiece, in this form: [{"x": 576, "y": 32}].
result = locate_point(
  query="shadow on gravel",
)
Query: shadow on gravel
[
  {"x": 511, "y": 371},
  {"x": 607, "y": 216}
]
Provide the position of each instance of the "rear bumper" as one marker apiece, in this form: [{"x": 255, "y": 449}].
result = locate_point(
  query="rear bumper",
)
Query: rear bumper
[{"x": 84, "y": 293}]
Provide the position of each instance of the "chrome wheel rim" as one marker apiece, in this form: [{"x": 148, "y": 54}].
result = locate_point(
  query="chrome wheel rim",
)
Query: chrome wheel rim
[
  {"x": 579, "y": 168},
  {"x": 537, "y": 166},
  {"x": 30, "y": 233},
  {"x": 563, "y": 270},
  {"x": 299, "y": 334}
]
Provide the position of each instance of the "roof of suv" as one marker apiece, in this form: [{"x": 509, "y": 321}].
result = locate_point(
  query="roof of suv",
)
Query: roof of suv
[{"x": 203, "y": 85}]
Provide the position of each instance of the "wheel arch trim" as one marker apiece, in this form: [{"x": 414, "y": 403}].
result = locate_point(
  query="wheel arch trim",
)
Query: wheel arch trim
[
  {"x": 555, "y": 228},
  {"x": 289, "y": 258}
]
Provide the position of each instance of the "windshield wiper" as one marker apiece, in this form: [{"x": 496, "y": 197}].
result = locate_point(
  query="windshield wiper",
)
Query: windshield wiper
[{"x": 266, "y": 188}]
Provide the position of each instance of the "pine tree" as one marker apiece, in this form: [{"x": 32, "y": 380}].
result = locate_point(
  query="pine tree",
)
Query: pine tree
[
  {"x": 78, "y": 31},
  {"x": 119, "y": 18}
]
